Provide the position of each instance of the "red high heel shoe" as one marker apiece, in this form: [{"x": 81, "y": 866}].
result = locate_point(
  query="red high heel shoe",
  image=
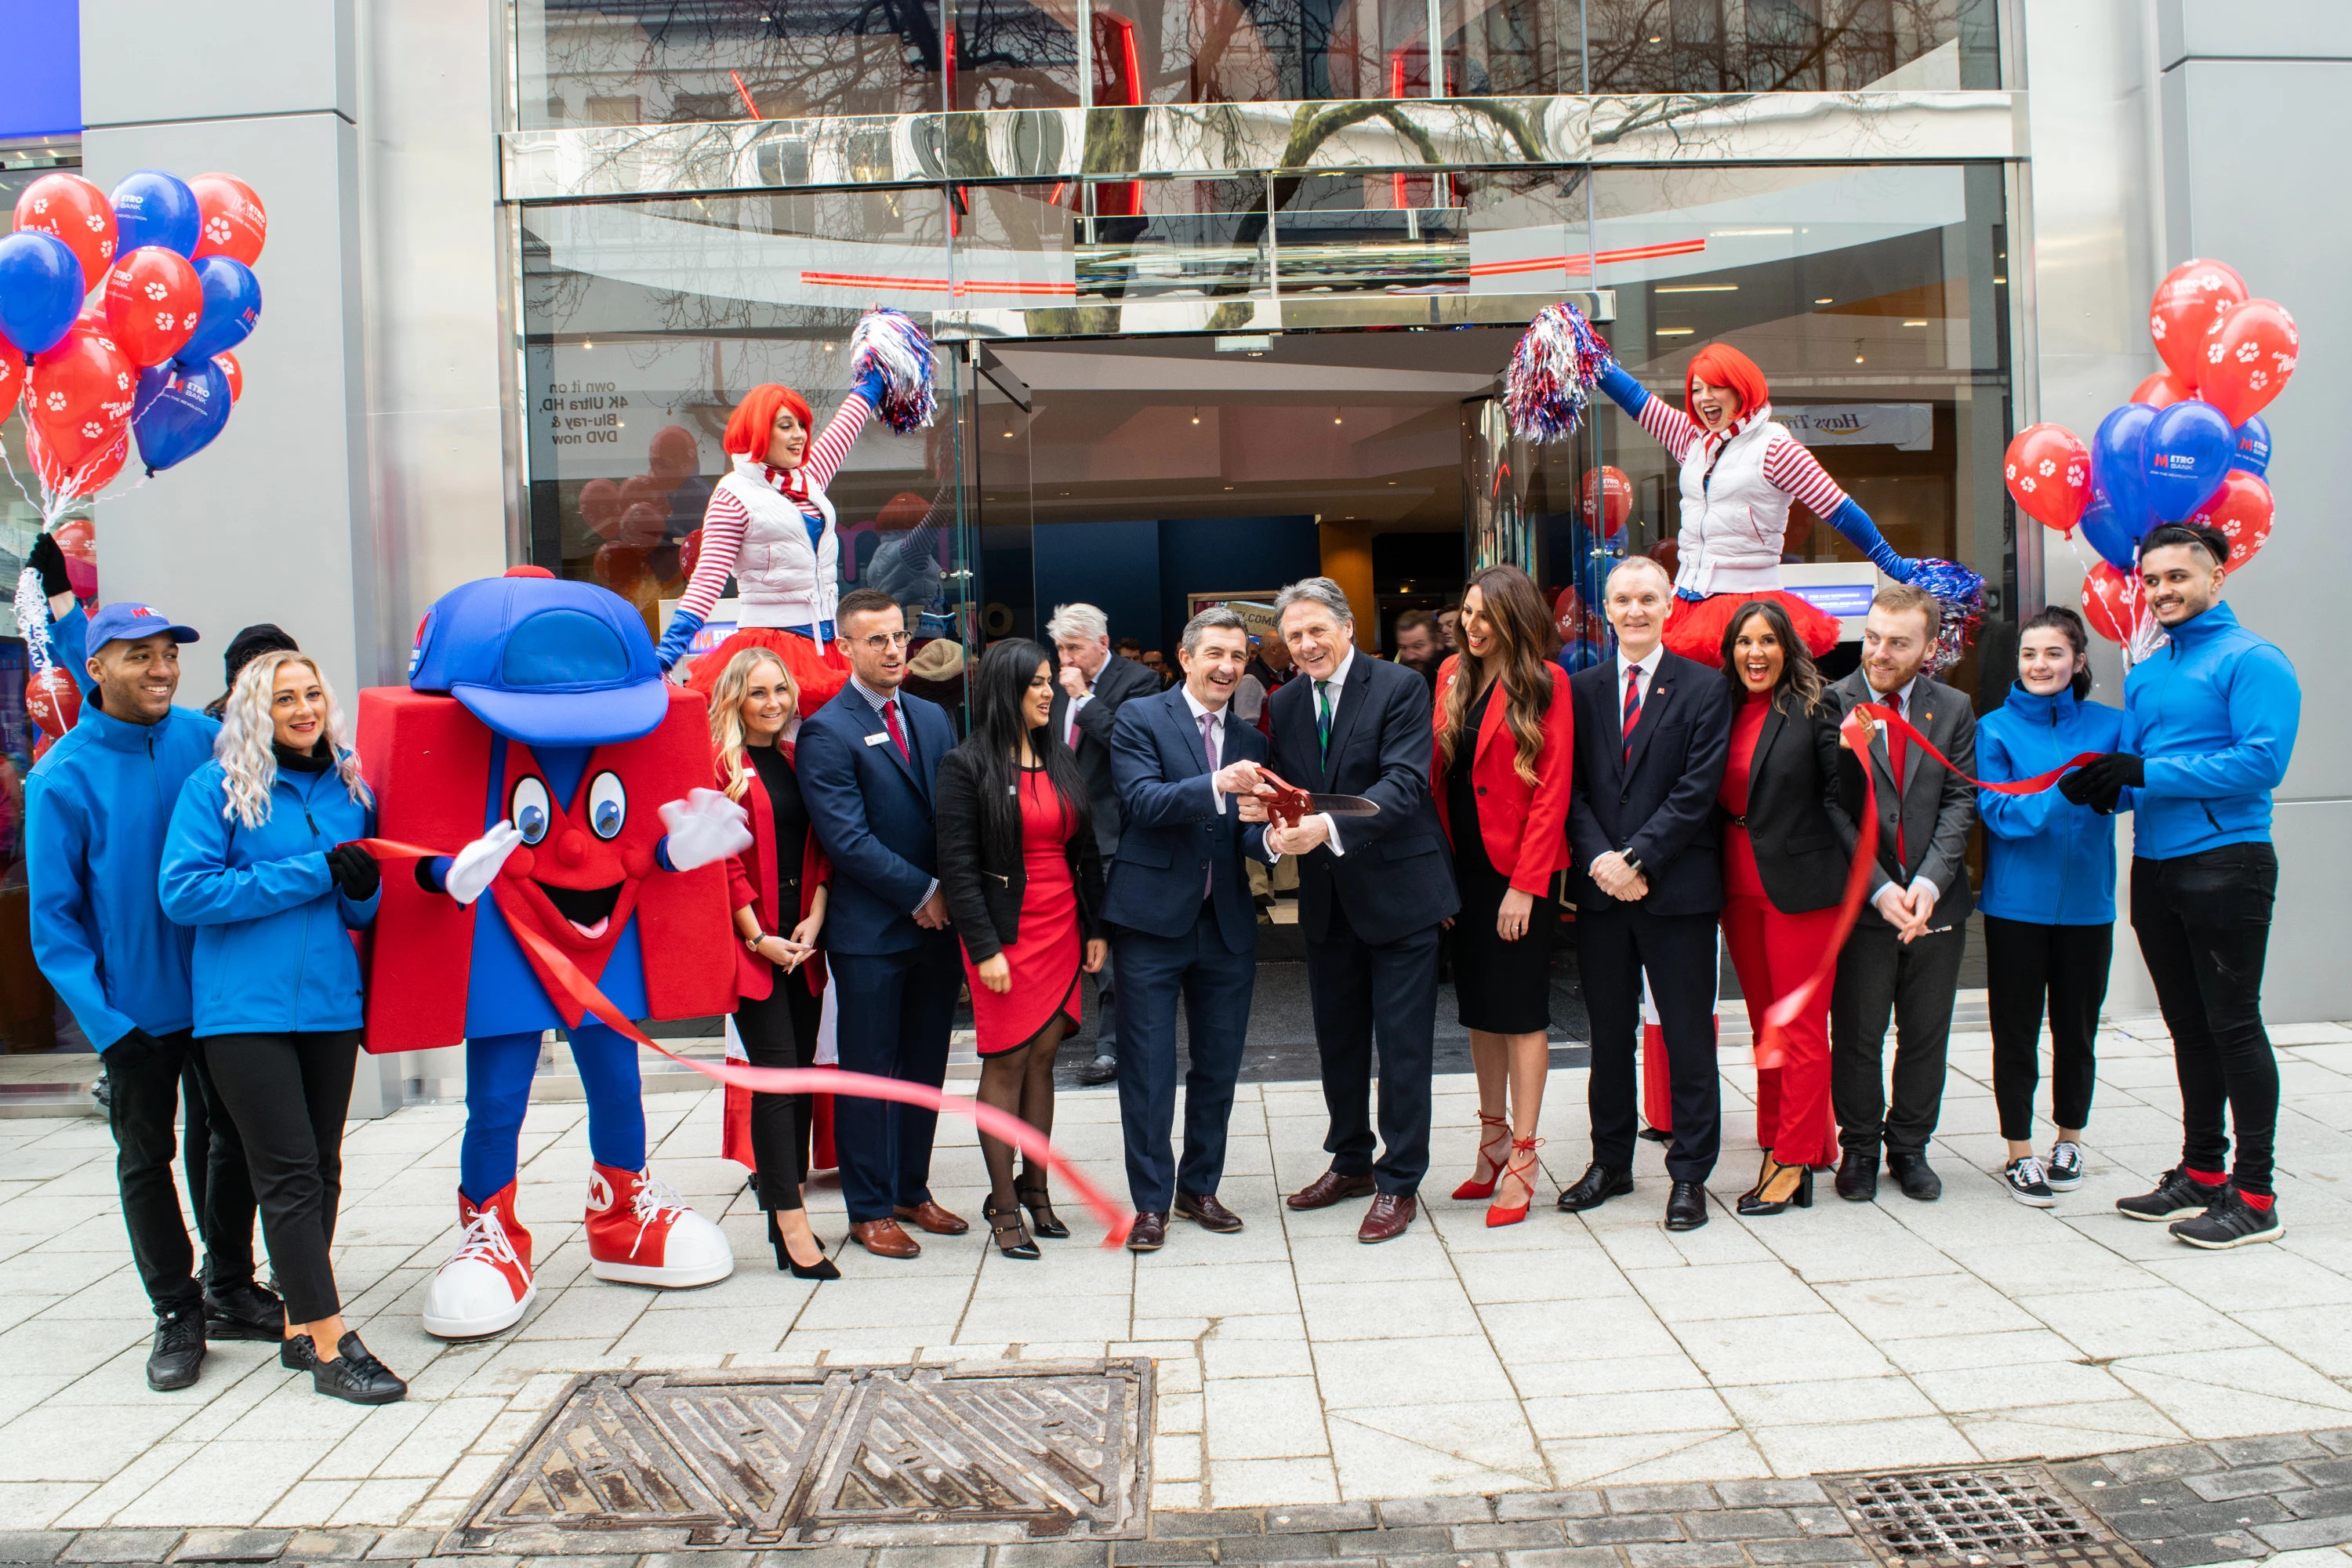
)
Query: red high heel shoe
[
  {"x": 1498, "y": 1215},
  {"x": 1474, "y": 1187}
]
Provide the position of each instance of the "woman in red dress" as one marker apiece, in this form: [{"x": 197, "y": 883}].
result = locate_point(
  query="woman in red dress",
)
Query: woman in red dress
[{"x": 1022, "y": 881}]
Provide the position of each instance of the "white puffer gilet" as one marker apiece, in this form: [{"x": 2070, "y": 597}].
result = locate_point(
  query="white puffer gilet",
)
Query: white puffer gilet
[
  {"x": 1733, "y": 523},
  {"x": 778, "y": 580}
]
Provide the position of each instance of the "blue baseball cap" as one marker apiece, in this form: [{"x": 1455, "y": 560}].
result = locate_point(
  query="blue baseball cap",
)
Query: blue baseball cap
[
  {"x": 542, "y": 660},
  {"x": 129, "y": 622}
]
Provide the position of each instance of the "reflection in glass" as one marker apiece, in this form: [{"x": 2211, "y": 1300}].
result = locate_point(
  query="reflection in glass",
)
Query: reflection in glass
[{"x": 1797, "y": 46}]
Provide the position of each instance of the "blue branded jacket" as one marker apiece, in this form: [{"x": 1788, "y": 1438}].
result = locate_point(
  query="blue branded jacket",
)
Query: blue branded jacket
[
  {"x": 2047, "y": 861},
  {"x": 2212, "y": 716},
  {"x": 96, "y": 810},
  {"x": 273, "y": 949}
]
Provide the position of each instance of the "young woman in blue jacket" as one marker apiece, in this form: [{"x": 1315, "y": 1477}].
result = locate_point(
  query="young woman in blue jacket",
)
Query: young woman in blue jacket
[
  {"x": 260, "y": 862},
  {"x": 2048, "y": 899}
]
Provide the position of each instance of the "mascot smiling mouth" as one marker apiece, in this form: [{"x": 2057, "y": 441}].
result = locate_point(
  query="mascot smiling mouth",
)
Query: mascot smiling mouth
[{"x": 587, "y": 910}]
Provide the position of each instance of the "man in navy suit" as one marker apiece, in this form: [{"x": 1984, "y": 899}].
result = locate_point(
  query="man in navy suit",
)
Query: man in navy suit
[
  {"x": 1373, "y": 895},
  {"x": 866, "y": 762},
  {"x": 1653, "y": 733},
  {"x": 1182, "y": 923}
]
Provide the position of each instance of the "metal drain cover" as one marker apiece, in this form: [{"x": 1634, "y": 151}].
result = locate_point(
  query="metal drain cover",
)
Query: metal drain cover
[
  {"x": 648, "y": 1461},
  {"x": 2011, "y": 1517}
]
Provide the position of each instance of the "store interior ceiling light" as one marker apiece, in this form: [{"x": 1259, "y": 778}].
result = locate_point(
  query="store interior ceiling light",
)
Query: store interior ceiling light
[
  {"x": 1825, "y": 301},
  {"x": 1674, "y": 332},
  {"x": 1914, "y": 323}
]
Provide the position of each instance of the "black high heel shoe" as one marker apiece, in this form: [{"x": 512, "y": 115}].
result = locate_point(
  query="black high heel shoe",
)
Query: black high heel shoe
[
  {"x": 1042, "y": 1218},
  {"x": 1021, "y": 1247},
  {"x": 1778, "y": 1189},
  {"x": 823, "y": 1269}
]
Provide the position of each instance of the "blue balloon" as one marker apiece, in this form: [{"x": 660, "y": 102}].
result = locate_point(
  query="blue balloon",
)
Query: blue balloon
[
  {"x": 151, "y": 208},
  {"x": 2187, "y": 450},
  {"x": 232, "y": 305},
  {"x": 2102, "y": 526},
  {"x": 2254, "y": 452},
  {"x": 2117, "y": 465},
  {"x": 180, "y": 408},
  {"x": 40, "y": 289}
]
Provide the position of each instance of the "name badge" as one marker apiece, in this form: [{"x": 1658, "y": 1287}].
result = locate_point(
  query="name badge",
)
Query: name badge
[{"x": 877, "y": 739}]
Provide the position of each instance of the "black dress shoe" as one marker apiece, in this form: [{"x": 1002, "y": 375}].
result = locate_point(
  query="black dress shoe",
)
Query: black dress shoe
[
  {"x": 244, "y": 1312},
  {"x": 1687, "y": 1206},
  {"x": 1204, "y": 1210},
  {"x": 1857, "y": 1175},
  {"x": 1100, "y": 1070},
  {"x": 1148, "y": 1233},
  {"x": 1598, "y": 1185},
  {"x": 356, "y": 1376},
  {"x": 179, "y": 1349},
  {"x": 1909, "y": 1169},
  {"x": 1655, "y": 1135}
]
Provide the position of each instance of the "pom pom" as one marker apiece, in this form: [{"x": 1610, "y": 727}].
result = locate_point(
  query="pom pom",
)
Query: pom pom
[
  {"x": 1960, "y": 591},
  {"x": 889, "y": 341},
  {"x": 33, "y": 618},
  {"x": 1558, "y": 359}
]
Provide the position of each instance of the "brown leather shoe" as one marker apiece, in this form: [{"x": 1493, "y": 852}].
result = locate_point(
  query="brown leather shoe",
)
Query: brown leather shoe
[
  {"x": 1391, "y": 1213},
  {"x": 928, "y": 1215},
  {"x": 883, "y": 1238},
  {"x": 1149, "y": 1232},
  {"x": 1204, "y": 1210},
  {"x": 1327, "y": 1189}
]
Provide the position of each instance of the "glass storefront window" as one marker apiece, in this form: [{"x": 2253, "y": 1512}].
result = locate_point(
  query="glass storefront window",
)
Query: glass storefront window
[{"x": 1789, "y": 45}]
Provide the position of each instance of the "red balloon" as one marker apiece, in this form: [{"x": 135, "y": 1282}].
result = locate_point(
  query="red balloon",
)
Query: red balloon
[
  {"x": 689, "y": 552},
  {"x": 234, "y": 222},
  {"x": 643, "y": 525},
  {"x": 2111, "y": 601},
  {"x": 2192, "y": 297},
  {"x": 88, "y": 478},
  {"x": 1608, "y": 500},
  {"x": 2242, "y": 509},
  {"x": 647, "y": 487},
  {"x": 2160, "y": 391},
  {"x": 12, "y": 376},
  {"x": 153, "y": 303},
  {"x": 601, "y": 507},
  {"x": 79, "y": 394},
  {"x": 78, "y": 213},
  {"x": 54, "y": 700},
  {"x": 235, "y": 373},
  {"x": 1668, "y": 553},
  {"x": 2249, "y": 358},
  {"x": 1568, "y": 613},
  {"x": 673, "y": 453},
  {"x": 2048, "y": 472}
]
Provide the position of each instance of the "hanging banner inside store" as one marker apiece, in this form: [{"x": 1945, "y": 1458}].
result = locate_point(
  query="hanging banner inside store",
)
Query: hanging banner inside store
[
  {"x": 1905, "y": 426},
  {"x": 1256, "y": 610}
]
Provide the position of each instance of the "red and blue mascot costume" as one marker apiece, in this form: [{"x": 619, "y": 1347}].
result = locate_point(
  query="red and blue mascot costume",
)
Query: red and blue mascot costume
[{"x": 537, "y": 732}]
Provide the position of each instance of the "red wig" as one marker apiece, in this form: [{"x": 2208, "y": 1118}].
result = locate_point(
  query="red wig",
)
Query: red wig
[
  {"x": 1718, "y": 364},
  {"x": 748, "y": 426}
]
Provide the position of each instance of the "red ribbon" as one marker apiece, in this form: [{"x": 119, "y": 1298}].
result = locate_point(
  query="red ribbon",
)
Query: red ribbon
[{"x": 585, "y": 997}]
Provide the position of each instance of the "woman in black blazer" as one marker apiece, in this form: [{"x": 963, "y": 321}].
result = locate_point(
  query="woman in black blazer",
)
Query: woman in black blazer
[
  {"x": 1023, "y": 882},
  {"x": 1783, "y": 875}
]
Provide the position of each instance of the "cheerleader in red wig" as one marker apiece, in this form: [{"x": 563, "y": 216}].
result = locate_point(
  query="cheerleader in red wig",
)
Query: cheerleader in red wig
[
  {"x": 1740, "y": 471},
  {"x": 771, "y": 526}
]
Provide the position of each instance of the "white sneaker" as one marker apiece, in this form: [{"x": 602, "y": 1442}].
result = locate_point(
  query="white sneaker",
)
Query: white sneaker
[
  {"x": 2064, "y": 1171},
  {"x": 487, "y": 1285},
  {"x": 2025, "y": 1180},
  {"x": 641, "y": 1232}
]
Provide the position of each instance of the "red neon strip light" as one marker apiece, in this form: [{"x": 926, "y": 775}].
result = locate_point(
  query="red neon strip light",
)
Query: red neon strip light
[
  {"x": 1581, "y": 264},
  {"x": 932, "y": 285},
  {"x": 745, "y": 93}
]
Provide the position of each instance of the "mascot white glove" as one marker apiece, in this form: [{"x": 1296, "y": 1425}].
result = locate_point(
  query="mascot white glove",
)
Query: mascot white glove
[
  {"x": 703, "y": 827},
  {"x": 477, "y": 864}
]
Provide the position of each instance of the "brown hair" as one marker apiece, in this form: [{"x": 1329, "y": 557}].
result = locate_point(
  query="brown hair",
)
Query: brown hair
[
  {"x": 1800, "y": 675},
  {"x": 862, "y": 602},
  {"x": 1902, "y": 596},
  {"x": 1417, "y": 618},
  {"x": 1523, "y": 635},
  {"x": 2068, "y": 624}
]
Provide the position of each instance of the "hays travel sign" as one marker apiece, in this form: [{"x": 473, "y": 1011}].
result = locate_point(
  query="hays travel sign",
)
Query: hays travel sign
[{"x": 1907, "y": 426}]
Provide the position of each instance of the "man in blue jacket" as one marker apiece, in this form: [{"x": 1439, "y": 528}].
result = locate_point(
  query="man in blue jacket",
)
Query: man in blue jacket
[
  {"x": 96, "y": 810},
  {"x": 2209, "y": 725}
]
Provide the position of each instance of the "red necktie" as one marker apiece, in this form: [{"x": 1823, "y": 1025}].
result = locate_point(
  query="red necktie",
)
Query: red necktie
[
  {"x": 1633, "y": 707},
  {"x": 898, "y": 736},
  {"x": 1898, "y": 750}
]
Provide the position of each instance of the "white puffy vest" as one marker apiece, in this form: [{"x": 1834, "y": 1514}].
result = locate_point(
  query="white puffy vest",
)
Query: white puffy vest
[
  {"x": 1732, "y": 524},
  {"x": 780, "y": 581}
]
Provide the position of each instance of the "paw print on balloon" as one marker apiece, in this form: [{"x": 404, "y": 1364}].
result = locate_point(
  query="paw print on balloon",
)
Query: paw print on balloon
[
  {"x": 155, "y": 289},
  {"x": 94, "y": 222},
  {"x": 2049, "y": 467},
  {"x": 2076, "y": 478},
  {"x": 2156, "y": 328},
  {"x": 164, "y": 320},
  {"x": 191, "y": 319},
  {"x": 40, "y": 206},
  {"x": 2248, "y": 352},
  {"x": 216, "y": 229},
  {"x": 2258, "y": 378},
  {"x": 91, "y": 431},
  {"x": 55, "y": 402}
]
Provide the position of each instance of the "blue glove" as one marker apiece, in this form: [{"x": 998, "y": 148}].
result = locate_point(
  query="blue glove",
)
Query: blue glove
[
  {"x": 682, "y": 627},
  {"x": 1623, "y": 389},
  {"x": 870, "y": 385},
  {"x": 1854, "y": 523}
]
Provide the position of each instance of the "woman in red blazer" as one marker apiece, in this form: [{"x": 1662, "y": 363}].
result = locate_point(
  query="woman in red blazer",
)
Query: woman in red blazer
[
  {"x": 779, "y": 972},
  {"x": 1499, "y": 772}
]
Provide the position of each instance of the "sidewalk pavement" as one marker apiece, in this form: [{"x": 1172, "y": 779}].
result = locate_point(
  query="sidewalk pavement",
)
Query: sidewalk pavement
[{"x": 1302, "y": 1369}]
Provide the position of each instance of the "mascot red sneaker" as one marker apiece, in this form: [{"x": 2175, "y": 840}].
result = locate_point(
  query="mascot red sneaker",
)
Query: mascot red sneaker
[{"x": 537, "y": 741}]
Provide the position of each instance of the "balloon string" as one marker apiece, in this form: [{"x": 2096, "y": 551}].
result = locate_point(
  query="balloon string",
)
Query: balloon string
[{"x": 583, "y": 992}]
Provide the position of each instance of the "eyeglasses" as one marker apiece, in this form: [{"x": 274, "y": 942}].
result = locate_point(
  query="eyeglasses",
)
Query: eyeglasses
[{"x": 882, "y": 642}]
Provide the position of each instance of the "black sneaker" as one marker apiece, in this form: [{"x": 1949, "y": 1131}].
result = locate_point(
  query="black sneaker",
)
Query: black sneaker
[
  {"x": 296, "y": 1353},
  {"x": 2231, "y": 1222},
  {"x": 179, "y": 1349},
  {"x": 244, "y": 1311},
  {"x": 2063, "y": 1169},
  {"x": 355, "y": 1375},
  {"x": 2027, "y": 1183},
  {"x": 2176, "y": 1196}
]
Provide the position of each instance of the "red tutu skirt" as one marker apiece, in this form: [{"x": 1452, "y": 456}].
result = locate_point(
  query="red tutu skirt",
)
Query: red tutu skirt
[
  {"x": 1694, "y": 628},
  {"x": 819, "y": 672}
]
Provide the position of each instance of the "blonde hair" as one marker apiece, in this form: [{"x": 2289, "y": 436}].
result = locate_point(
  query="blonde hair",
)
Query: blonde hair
[
  {"x": 727, "y": 712},
  {"x": 248, "y": 729}
]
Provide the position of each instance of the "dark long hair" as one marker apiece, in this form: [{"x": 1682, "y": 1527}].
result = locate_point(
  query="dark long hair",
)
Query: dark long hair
[
  {"x": 998, "y": 686},
  {"x": 1523, "y": 637},
  {"x": 2068, "y": 624},
  {"x": 1800, "y": 678}
]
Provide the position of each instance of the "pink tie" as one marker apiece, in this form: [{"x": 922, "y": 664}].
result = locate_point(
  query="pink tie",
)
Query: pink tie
[{"x": 1209, "y": 744}]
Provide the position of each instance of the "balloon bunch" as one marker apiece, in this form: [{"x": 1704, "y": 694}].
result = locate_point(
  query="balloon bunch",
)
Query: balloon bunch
[
  {"x": 1608, "y": 500},
  {"x": 644, "y": 514},
  {"x": 117, "y": 316},
  {"x": 2190, "y": 446},
  {"x": 889, "y": 340},
  {"x": 1554, "y": 367}
]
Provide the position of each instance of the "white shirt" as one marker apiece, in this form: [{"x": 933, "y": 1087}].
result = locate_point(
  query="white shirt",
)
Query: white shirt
[
  {"x": 878, "y": 701},
  {"x": 1332, "y": 686},
  {"x": 1070, "y": 715},
  {"x": 1200, "y": 711},
  {"x": 1887, "y": 699},
  {"x": 1648, "y": 665}
]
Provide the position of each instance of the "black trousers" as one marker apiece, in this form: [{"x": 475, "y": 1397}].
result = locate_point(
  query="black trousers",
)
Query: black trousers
[
  {"x": 142, "y": 1102},
  {"x": 1877, "y": 977},
  {"x": 2204, "y": 926},
  {"x": 289, "y": 1095},
  {"x": 1214, "y": 982},
  {"x": 778, "y": 1030},
  {"x": 1387, "y": 991},
  {"x": 195, "y": 1135},
  {"x": 2025, "y": 963},
  {"x": 1613, "y": 946}
]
